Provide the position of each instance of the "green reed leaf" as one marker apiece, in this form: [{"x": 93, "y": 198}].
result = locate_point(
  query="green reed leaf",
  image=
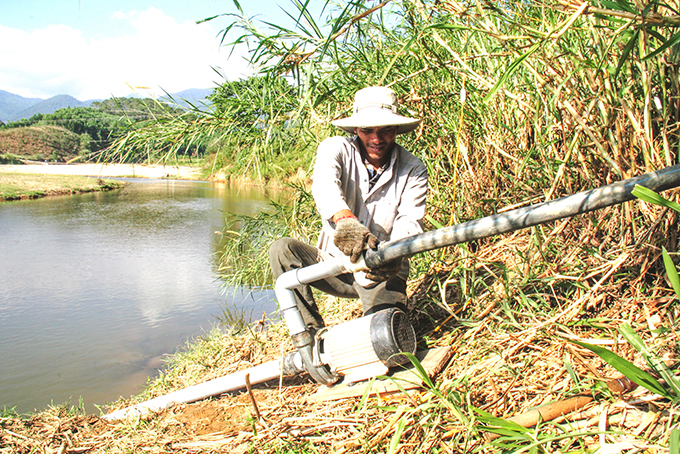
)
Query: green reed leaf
[
  {"x": 669, "y": 43},
  {"x": 510, "y": 71},
  {"x": 394, "y": 442},
  {"x": 672, "y": 272},
  {"x": 625, "y": 54},
  {"x": 650, "y": 196},
  {"x": 674, "y": 441},
  {"x": 499, "y": 426},
  {"x": 654, "y": 362},
  {"x": 619, "y": 5},
  {"x": 630, "y": 370}
]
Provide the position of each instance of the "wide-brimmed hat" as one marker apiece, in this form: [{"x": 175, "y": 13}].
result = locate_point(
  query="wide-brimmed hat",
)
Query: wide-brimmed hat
[{"x": 375, "y": 107}]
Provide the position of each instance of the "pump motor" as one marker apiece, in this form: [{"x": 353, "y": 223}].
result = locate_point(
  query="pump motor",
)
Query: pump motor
[{"x": 368, "y": 346}]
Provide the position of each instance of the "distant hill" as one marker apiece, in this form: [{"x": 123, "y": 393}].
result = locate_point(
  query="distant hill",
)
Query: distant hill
[
  {"x": 195, "y": 96},
  {"x": 185, "y": 98},
  {"x": 14, "y": 107},
  {"x": 11, "y": 104},
  {"x": 48, "y": 106}
]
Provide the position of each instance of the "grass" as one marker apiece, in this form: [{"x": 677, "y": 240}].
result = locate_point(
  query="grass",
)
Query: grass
[{"x": 15, "y": 186}]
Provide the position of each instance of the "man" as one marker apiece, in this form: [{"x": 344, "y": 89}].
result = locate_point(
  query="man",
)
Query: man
[{"x": 368, "y": 189}]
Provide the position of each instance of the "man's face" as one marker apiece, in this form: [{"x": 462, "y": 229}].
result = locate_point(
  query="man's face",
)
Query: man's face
[{"x": 377, "y": 142}]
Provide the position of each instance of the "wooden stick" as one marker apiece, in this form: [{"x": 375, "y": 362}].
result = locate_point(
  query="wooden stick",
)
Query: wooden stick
[
  {"x": 252, "y": 396},
  {"x": 550, "y": 411}
]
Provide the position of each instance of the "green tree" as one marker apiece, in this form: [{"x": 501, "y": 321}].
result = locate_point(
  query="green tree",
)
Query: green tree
[{"x": 99, "y": 127}]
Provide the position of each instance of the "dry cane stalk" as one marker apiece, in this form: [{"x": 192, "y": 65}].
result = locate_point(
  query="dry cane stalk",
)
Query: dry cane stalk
[{"x": 548, "y": 412}]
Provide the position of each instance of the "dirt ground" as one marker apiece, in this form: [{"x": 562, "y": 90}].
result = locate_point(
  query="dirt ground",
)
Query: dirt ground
[{"x": 107, "y": 170}]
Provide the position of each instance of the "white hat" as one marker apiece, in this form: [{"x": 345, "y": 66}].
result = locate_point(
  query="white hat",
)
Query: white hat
[{"x": 376, "y": 107}]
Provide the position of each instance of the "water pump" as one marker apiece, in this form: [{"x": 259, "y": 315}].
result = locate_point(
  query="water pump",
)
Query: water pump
[{"x": 360, "y": 349}]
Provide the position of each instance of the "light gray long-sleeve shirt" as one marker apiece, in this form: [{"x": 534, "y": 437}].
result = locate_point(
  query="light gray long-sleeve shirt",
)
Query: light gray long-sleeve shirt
[{"x": 393, "y": 209}]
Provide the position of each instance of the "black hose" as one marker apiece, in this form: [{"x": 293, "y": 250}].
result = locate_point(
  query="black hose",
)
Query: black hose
[
  {"x": 320, "y": 373},
  {"x": 521, "y": 218}
]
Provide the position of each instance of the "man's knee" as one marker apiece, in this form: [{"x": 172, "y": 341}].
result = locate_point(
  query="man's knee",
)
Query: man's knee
[
  {"x": 278, "y": 248},
  {"x": 289, "y": 253},
  {"x": 278, "y": 251}
]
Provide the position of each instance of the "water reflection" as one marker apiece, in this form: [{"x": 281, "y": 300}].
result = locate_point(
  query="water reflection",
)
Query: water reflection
[{"x": 95, "y": 288}]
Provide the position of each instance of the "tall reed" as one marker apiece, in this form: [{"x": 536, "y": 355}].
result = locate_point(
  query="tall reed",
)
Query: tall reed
[{"x": 521, "y": 102}]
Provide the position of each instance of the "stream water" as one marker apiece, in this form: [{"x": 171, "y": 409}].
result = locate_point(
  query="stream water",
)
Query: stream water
[{"x": 96, "y": 289}]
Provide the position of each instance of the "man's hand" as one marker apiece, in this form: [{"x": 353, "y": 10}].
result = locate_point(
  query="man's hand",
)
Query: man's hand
[
  {"x": 385, "y": 272},
  {"x": 352, "y": 238}
]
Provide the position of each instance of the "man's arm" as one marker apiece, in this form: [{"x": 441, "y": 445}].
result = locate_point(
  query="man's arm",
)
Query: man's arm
[
  {"x": 326, "y": 181},
  {"x": 411, "y": 209}
]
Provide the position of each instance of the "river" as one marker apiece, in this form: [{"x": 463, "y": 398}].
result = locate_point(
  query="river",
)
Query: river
[{"x": 95, "y": 289}]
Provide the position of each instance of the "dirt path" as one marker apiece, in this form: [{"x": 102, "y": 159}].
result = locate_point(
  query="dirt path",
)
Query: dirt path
[{"x": 107, "y": 170}]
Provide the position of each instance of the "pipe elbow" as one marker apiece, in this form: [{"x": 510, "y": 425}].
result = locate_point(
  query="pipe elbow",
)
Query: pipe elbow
[
  {"x": 287, "y": 281},
  {"x": 321, "y": 373}
]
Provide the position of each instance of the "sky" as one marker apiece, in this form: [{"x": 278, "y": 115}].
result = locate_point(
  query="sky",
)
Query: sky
[{"x": 96, "y": 49}]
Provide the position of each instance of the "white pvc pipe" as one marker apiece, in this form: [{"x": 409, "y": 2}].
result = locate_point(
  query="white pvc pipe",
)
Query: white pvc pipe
[
  {"x": 289, "y": 280},
  {"x": 258, "y": 374}
]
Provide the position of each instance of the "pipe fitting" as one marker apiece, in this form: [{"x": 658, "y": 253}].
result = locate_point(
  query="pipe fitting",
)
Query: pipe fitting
[{"x": 303, "y": 342}]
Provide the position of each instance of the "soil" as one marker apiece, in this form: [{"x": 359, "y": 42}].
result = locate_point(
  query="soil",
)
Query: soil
[{"x": 219, "y": 415}]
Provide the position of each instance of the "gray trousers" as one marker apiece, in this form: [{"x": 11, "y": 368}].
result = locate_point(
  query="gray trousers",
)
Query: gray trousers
[{"x": 286, "y": 254}]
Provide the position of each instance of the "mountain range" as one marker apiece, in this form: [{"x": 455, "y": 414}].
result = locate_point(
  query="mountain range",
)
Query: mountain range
[{"x": 14, "y": 107}]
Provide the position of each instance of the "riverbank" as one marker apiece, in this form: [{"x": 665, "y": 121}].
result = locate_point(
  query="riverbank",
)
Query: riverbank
[
  {"x": 513, "y": 350},
  {"x": 39, "y": 180},
  {"x": 106, "y": 170},
  {"x": 17, "y": 186}
]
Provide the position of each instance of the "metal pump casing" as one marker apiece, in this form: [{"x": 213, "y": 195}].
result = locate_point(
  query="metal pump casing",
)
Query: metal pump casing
[{"x": 368, "y": 346}]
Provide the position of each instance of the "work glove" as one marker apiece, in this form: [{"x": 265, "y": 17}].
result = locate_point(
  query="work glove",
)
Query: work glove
[
  {"x": 385, "y": 272},
  {"x": 352, "y": 238}
]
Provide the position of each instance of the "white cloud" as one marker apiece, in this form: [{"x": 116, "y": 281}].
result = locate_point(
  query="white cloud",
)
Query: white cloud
[{"x": 160, "y": 53}]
